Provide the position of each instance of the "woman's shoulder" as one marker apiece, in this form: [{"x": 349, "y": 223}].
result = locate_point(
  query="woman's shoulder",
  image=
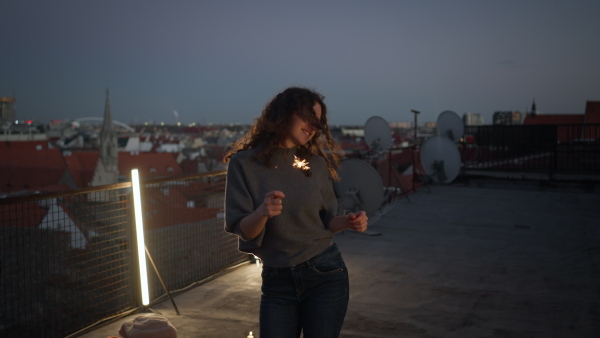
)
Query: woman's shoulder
[{"x": 244, "y": 155}]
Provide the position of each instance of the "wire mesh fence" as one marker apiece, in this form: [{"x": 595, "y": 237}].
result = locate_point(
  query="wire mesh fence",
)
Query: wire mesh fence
[
  {"x": 65, "y": 261},
  {"x": 185, "y": 236},
  {"x": 68, "y": 260}
]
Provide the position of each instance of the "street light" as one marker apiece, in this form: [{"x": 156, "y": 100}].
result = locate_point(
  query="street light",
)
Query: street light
[
  {"x": 415, "y": 145},
  {"x": 139, "y": 229}
]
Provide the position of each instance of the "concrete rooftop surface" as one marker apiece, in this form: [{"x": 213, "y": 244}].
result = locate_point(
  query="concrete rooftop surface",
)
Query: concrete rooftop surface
[{"x": 478, "y": 258}]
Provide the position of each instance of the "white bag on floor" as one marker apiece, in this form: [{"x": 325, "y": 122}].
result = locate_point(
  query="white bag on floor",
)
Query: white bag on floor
[{"x": 148, "y": 327}]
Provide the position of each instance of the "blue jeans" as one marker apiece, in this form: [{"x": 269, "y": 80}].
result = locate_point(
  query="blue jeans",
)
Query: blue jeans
[{"x": 310, "y": 297}]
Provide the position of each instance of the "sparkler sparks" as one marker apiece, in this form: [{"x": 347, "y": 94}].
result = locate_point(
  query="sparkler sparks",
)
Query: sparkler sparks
[{"x": 300, "y": 164}]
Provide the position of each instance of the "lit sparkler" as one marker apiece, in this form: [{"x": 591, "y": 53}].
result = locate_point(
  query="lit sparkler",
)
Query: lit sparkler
[{"x": 300, "y": 164}]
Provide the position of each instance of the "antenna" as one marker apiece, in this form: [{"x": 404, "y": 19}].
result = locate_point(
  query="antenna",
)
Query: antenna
[
  {"x": 440, "y": 159},
  {"x": 360, "y": 188},
  {"x": 439, "y": 154},
  {"x": 414, "y": 150},
  {"x": 450, "y": 125},
  {"x": 378, "y": 134}
]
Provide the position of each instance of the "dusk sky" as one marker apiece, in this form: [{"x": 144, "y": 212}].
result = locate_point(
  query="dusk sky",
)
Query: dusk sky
[{"x": 221, "y": 61}]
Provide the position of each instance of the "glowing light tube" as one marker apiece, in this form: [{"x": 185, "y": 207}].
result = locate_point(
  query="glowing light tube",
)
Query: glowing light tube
[{"x": 139, "y": 230}]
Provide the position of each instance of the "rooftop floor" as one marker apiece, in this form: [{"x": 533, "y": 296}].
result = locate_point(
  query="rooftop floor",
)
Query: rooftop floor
[{"x": 473, "y": 259}]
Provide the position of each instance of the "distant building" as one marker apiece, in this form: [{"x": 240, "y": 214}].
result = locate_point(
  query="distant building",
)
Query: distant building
[
  {"x": 7, "y": 109},
  {"x": 592, "y": 112},
  {"x": 592, "y": 119},
  {"x": 571, "y": 127},
  {"x": 28, "y": 167},
  {"x": 472, "y": 119},
  {"x": 354, "y": 132},
  {"x": 401, "y": 125},
  {"x": 430, "y": 124},
  {"x": 107, "y": 169},
  {"x": 591, "y": 116},
  {"x": 553, "y": 119},
  {"x": 507, "y": 117}
]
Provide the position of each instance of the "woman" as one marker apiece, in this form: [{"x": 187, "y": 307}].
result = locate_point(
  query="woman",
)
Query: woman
[{"x": 281, "y": 204}]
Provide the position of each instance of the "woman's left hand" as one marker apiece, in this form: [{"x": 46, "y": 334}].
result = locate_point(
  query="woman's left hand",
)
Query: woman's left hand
[{"x": 357, "y": 221}]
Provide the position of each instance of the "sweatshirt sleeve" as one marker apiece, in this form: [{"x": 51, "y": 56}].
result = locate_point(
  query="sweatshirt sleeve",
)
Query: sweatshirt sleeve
[{"x": 239, "y": 203}]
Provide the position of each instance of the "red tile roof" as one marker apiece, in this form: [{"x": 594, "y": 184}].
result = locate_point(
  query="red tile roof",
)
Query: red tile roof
[
  {"x": 592, "y": 120},
  {"x": 24, "y": 169},
  {"x": 592, "y": 112},
  {"x": 23, "y": 214},
  {"x": 24, "y": 145},
  {"x": 553, "y": 119},
  {"x": 82, "y": 165},
  {"x": 589, "y": 128},
  {"x": 168, "y": 206},
  {"x": 149, "y": 165}
]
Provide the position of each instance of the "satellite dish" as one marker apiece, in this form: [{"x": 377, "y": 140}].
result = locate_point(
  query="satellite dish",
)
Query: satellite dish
[
  {"x": 450, "y": 125},
  {"x": 360, "y": 187},
  {"x": 378, "y": 134},
  {"x": 440, "y": 159}
]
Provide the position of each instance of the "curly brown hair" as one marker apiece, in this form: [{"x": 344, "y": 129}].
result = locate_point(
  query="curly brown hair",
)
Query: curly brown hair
[{"x": 271, "y": 128}]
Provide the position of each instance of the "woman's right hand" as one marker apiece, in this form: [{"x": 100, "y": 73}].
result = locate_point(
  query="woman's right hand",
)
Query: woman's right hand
[
  {"x": 273, "y": 204},
  {"x": 254, "y": 223}
]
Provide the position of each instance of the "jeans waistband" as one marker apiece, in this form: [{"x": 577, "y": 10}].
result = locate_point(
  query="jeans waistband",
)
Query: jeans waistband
[{"x": 331, "y": 249}]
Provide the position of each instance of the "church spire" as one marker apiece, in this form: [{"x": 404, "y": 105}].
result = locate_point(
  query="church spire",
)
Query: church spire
[
  {"x": 533, "y": 109},
  {"x": 107, "y": 114},
  {"x": 107, "y": 170}
]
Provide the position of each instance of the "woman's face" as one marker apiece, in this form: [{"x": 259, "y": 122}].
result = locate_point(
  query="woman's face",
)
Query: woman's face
[{"x": 301, "y": 131}]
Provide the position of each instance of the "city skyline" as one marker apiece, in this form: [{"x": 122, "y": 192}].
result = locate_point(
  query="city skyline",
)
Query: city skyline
[{"x": 220, "y": 62}]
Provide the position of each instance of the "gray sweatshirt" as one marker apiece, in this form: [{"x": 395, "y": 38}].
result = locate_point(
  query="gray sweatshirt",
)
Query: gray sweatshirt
[{"x": 301, "y": 230}]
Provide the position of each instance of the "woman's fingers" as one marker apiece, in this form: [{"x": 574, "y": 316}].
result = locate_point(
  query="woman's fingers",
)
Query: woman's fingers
[
  {"x": 275, "y": 194},
  {"x": 358, "y": 221},
  {"x": 273, "y": 203}
]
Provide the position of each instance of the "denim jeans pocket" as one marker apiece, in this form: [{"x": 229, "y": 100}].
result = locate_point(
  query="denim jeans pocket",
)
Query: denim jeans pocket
[
  {"x": 268, "y": 273},
  {"x": 331, "y": 265}
]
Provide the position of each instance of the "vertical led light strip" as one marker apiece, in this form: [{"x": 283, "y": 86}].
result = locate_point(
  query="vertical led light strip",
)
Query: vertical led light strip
[{"x": 139, "y": 230}]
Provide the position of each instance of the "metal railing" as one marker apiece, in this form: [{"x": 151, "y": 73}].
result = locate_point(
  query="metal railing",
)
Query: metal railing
[
  {"x": 67, "y": 260},
  {"x": 532, "y": 152},
  {"x": 554, "y": 152}
]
